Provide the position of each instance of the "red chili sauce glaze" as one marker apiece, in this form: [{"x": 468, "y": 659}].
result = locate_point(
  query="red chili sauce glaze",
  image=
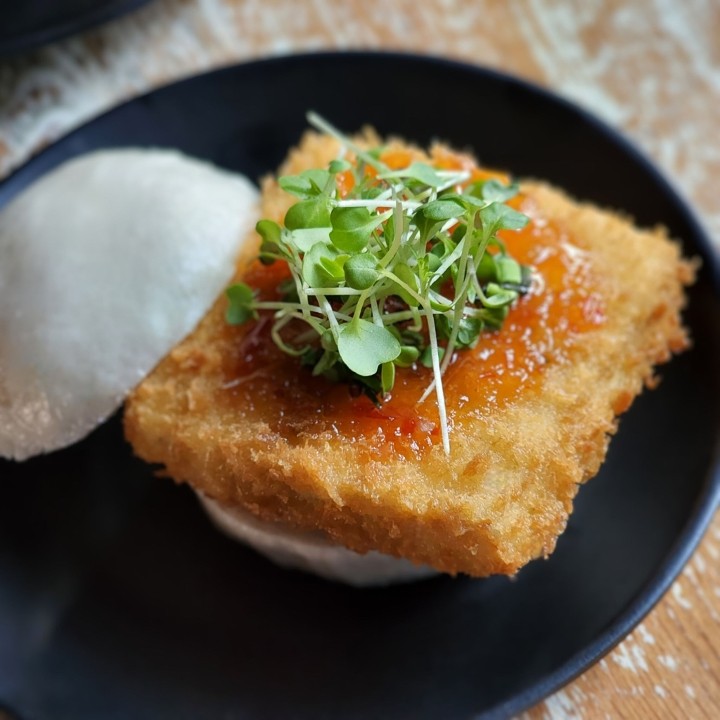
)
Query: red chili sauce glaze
[{"x": 538, "y": 332}]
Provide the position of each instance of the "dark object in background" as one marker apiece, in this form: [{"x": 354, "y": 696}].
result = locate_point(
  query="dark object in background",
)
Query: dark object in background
[
  {"x": 119, "y": 600},
  {"x": 27, "y": 24}
]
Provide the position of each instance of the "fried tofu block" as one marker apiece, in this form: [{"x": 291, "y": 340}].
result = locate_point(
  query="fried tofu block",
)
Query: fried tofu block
[{"x": 531, "y": 408}]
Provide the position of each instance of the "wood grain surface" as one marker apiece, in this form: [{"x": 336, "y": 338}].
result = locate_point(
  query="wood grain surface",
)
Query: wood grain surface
[{"x": 651, "y": 68}]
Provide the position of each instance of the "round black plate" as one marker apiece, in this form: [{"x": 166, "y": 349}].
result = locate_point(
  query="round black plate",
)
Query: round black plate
[
  {"x": 117, "y": 598},
  {"x": 30, "y": 23}
]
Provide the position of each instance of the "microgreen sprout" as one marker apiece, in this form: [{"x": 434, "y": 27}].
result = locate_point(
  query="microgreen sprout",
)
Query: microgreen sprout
[{"x": 396, "y": 271}]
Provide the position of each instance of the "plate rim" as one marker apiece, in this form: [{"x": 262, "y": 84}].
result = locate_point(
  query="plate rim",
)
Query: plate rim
[
  {"x": 65, "y": 27},
  {"x": 707, "y": 502}
]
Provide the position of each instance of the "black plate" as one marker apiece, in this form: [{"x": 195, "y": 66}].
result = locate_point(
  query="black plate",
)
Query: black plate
[
  {"x": 118, "y": 600},
  {"x": 30, "y": 23}
]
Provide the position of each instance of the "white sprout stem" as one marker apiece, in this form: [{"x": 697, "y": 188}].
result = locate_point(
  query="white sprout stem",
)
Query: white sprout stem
[
  {"x": 456, "y": 180},
  {"x": 281, "y": 305},
  {"x": 277, "y": 338},
  {"x": 333, "y": 291},
  {"x": 424, "y": 195},
  {"x": 316, "y": 326},
  {"x": 450, "y": 259},
  {"x": 385, "y": 194},
  {"x": 392, "y": 318},
  {"x": 378, "y": 203},
  {"x": 332, "y": 318},
  {"x": 320, "y": 328},
  {"x": 464, "y": 247},
  {"x": 377, "y": 317},
  {"x": 478, "y": 291},
  {"x": 473, "y": 278},
  {"x": 399, "y": 218},
  {"x": 349, "y": 305},
  {"x": 324, "y": 126},
  {"x": 403, "y": 285},
  {"x": 462, "y": 295},
  {"x": 460, "y": 309},
  {"x": 417, "y": 320},
  {"x": 361, "y": 302},
  {"x": 428, "y": 390},
  {"x": 450, "y": 347},
  {"x": 299, "y": 283},
  {"x": 454, "y": 177},
  {"x": 439, "y": 392},
  {"x": 285, "y": 315}
]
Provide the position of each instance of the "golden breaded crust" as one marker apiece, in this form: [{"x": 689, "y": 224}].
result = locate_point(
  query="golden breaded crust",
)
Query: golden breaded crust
[{"x": 504, "y": 495}]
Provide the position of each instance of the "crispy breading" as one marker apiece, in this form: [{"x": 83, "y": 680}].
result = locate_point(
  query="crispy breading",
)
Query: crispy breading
[{"x": 504, "y": 494}]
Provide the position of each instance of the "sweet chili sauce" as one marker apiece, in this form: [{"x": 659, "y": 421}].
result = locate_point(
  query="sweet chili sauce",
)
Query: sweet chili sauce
[{"x": 538, "y": 332}]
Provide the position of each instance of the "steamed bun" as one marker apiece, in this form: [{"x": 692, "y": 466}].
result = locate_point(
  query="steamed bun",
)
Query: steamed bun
[
  {"x": 312, "y": 552},
  {"x": 105, "y": 264}
]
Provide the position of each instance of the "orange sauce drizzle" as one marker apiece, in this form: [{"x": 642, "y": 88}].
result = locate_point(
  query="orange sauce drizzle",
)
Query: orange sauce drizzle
[{"x": 539, "y": 332}]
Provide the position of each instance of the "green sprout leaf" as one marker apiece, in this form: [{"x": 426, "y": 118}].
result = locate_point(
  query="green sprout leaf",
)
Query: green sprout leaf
[
  {"x": 271, "y": 246},
  {"x": 498, "y": 297},
  {"x": 327, "y": 340},
  {"x": 269, "y": 231},
  {"x": 494, "y": 317},
  {"x": 313, "y": 213},
  {"x": 443, "y": 210},
  {"x": 426, "y": 226},
  {"x": 320, "y": 180},
  {"x": 361, "y": 271},
  {"x": 387, "y": 377},
  {"x": 338, "y": 166},
  {"x": 327, "y": 361},
  {"x": 308, "y": 184},
  {"x": 469, "y": 331},
  {"x": 269, "y": 252},
  {"x": 364, "y": 346},
  {"x": 352, "y": 228},
  {"x": 426, "y": 356},
  {"x": 495, "y": 191},
  {"x": 438, "y": 302},
  {"x": 508, "y": 270},
  {"x": 240, "y": 309},
  {"x": 297, "y": 185},
  {"x": 304, "y": 238},
  {"x": 418, "y": 171},
  {"x": 487, "y": 270},
  {"x": 407, "y": 357},
  {"x": 322, "y": 266},
  {"x": 410, "y": 279},
  {"x": 497, "y": 216}
]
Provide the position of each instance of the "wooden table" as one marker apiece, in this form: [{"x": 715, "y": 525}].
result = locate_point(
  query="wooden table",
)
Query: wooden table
[{"x": 650, "y": 67}]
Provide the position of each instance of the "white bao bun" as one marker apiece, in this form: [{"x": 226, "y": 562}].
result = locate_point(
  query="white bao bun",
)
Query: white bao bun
[
  {"x": 105, "y": 264},
  {"x": 311, "y": 552}
]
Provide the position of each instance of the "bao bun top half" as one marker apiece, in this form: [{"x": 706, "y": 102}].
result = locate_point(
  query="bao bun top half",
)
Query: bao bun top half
[{"x": 105, "y": 264}]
